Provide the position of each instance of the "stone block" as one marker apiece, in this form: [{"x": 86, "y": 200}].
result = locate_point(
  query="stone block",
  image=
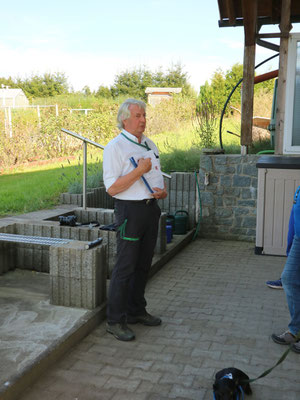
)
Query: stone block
[
  {"x": 79, "y": 281},
  {"x": 249, "y": 222},
  {"x": 46, "y": 231},
  {"x": 205, "y": 163},
  {"x": 241, "y": 181},
  {"x": 250, "y": 169},
  {"x": 28, "y": 257},
  {"x": 28, "y": 229},
  {"x": 37, "y": 230},
  {"x": 53, "y": 260}
]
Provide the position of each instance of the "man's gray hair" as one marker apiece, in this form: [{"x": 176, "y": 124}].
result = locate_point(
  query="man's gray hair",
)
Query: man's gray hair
[{"x": 124, "y": 111}]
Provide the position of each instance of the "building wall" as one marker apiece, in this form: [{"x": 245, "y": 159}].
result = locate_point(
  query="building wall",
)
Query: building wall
[
  {"x": 228, "y": 186},
  {"x": 154, "y": 99},
  {"x": 11, "y": 101}
]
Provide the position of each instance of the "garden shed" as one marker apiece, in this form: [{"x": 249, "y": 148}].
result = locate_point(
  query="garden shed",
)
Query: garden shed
[
  {"x": 156, "y": 95},
  {"x": 13, "y": 98}
]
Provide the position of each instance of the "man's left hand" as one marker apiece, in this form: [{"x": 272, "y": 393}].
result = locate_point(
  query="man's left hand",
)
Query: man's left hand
[{"x": 159, "y": 193}]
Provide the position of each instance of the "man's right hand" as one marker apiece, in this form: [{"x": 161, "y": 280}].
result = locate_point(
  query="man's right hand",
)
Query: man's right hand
[{"x": 144, "y": 165}]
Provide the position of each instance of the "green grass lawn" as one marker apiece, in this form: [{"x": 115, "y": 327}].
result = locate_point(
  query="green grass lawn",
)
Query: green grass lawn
[{"x": 34, "y": 188}]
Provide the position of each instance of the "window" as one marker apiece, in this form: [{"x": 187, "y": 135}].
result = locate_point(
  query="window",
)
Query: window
[{"x": 292, "y": 111}]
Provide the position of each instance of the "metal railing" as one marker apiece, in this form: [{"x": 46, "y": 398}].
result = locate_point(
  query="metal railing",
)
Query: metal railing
[{"x": 85, "y": 142}]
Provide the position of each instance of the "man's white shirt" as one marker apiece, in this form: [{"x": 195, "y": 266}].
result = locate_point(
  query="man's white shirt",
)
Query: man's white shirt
[{"x": 116, "y": 163}]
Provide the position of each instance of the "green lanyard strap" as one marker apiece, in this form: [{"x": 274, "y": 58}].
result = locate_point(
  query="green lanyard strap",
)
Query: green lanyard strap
[
  {"x": 122, "y": 232},
  {"x": 138, "y": 144}
]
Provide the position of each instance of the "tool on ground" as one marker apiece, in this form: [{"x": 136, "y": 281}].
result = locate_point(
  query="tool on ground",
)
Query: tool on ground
[{"x": 94, "y": 243}]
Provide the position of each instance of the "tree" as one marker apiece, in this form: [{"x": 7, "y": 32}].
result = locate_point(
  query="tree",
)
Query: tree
[
  {"x": 86, "y": 90},
  {"x": 103, "y": 91},
  {"x": 134, "y": 83},
  {"x": 39, "y": 86}
]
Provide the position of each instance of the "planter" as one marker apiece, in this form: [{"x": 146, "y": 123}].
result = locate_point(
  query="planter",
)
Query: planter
[{"x": 96, "y": 198}]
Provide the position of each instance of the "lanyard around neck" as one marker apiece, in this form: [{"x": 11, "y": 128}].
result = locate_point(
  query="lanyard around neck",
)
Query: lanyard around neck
[{"x": 138, "y": 144}]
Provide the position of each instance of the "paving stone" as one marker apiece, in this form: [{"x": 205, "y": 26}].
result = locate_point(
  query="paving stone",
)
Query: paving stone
[{"x": 205, "y": 296}]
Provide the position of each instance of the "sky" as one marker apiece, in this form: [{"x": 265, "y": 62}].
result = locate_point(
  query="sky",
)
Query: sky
[{"x": 92, "y": 41}]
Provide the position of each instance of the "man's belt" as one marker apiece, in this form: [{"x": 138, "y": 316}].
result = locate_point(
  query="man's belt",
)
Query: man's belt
[{"x": 144, "y": 201}]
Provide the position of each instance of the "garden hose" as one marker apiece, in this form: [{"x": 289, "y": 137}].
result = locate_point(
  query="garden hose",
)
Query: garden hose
[
  {"x": 231, "y": 93},
  {"x": 266, "y": 152},
  {"x": 200, "y": 209}
]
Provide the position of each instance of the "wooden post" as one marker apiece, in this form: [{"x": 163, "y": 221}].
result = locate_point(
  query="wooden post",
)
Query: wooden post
[
  {"x": 250, "y": 16},
  {"x": 285, "y": 27}
]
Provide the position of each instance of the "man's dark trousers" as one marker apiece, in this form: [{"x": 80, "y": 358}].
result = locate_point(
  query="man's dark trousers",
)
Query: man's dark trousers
[{"x": 135, "y": 247}]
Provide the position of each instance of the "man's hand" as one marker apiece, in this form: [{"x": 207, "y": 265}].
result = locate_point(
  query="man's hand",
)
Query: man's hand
[
  {"x": 159, "y": 193},
  {"x": 144, "y": 165}
]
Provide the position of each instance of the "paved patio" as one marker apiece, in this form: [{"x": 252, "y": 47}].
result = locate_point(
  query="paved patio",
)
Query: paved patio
[{"x": 217, "y": 312}]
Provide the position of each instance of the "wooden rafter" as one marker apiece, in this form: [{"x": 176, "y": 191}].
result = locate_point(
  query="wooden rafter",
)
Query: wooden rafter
[{"x": 230, "y": 11}]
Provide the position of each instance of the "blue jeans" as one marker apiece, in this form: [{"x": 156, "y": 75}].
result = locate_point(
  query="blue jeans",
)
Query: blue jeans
[{"x": 291, "y": 284}]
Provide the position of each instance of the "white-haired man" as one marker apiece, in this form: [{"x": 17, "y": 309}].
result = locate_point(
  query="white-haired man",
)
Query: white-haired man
[{"x": 137, "y": 215}]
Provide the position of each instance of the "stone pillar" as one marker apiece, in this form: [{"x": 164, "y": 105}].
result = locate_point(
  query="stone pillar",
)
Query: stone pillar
[{"x": 78, "y": 276}]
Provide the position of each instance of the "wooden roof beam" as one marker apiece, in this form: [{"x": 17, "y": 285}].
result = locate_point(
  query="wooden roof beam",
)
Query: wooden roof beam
[{"x": 230, "y": 11}]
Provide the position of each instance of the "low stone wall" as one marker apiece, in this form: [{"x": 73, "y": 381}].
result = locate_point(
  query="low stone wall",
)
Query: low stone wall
[
  {"x": 36, "y": 257},
  {"x": 97, "y": 197},
  {"x": 228, "y": 186},
  {"x": 181, "y": 196},
  {"x": 77, "y": 275}
]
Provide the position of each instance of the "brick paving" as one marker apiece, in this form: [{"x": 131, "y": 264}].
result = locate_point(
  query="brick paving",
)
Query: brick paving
[{"x": 217, "y": 312}]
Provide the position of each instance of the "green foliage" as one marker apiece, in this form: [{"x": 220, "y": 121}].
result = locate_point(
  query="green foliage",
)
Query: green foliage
[
  {"x": 104, "y": 91},
  {"x": 75, "y": 181},
  {"x": 222, "y": 83},
  {"x": 180, "y": 160},
  {"x": 170, "y": 115},
  {"x": 133, "y": 83},
  {"x": 206, "y": 124},
  {"x": 48, "y": 85},
  {"x": 32, "y": 140},
  {"x": 86, "y": 91}
]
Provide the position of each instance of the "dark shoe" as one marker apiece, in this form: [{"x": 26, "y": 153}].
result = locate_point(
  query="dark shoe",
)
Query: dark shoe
[
  {"x": 275, "y": 284},
  {"x": 296, "y": 347},
  {"x": 120, "y": 331},
  {"x": 145, "y": 319},
  {"x": 285, "y": 338}
]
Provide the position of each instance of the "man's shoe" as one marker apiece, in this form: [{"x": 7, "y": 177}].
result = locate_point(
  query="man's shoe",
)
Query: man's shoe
[
  {"x": 275, "y": 284},
  {"x": 120, "y": 331},
  {"x": 296, "y": 347},
  {"x": 285, "y": 338},
  {"x": 145, "y": 319}
]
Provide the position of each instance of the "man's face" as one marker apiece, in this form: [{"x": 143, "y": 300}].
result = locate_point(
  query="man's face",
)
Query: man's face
[{"x": 136, "y": 123}]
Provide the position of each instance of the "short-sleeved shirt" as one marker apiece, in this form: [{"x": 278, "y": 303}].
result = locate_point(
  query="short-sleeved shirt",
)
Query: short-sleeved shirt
[{"x": 116, "y": 163}]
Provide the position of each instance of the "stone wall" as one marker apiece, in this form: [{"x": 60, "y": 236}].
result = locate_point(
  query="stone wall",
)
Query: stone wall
[
  {"x": 228, "y": 186},
  {"x": 181, "y": 196}
]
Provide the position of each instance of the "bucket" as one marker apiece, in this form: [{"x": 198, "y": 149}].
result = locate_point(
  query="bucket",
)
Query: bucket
[
  {"x": 181, "y": 222},
  {"x": 169, "y": 233}
]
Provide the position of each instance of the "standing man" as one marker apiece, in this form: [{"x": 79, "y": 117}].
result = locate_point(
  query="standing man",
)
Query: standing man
[
  {"x": 291, "y": 282},
  {"x": 137, "y": 215}
]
